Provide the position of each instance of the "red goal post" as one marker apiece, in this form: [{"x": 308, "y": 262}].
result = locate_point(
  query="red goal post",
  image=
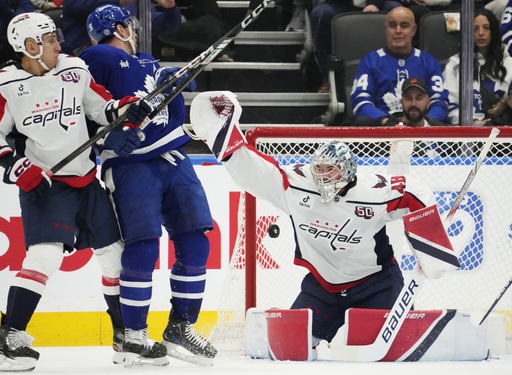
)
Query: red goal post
[{"x": 443, "y": 157}]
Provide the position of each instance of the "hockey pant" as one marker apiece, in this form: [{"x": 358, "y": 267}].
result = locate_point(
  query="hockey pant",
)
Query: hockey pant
[{"x": 378, "y": 292}]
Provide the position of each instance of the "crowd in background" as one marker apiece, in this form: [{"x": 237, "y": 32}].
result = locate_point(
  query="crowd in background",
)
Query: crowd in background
[{"x": 195, "y": 25}]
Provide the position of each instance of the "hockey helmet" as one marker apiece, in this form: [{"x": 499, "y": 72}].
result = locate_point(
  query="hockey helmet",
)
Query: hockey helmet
[
  {"x": 334, "y": 166},
  {"x": 30, "y": 25},
  {"x": 102, "y": 22}
]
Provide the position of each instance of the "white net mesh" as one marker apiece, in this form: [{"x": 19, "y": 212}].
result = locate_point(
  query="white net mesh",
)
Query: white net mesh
[{"x": 481, "y": 230}]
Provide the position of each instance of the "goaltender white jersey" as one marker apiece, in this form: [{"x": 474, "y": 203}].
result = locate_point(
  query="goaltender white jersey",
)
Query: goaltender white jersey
[
  {"x": 341, "y": 242},
  {"x": 49, "y": 111}
]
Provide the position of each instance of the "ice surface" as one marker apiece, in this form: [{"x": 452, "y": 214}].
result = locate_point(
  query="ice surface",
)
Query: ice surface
[{"x": 98, "y": 361}]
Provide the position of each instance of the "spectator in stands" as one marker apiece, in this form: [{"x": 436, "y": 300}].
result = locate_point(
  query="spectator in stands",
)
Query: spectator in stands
[
  {"x": 415, "y": 104},
  {"x": 497, "y": 7},
  {"x": 506, "y": 26},
  {"x": 492, "y": 72},
  {"x": 376, "y": 91},
  {"x": 44, "y": 5},
  {"x": 9, "y": 9},
  {"x": 74, "y": 17},
  {"x": 321, "y": 17}
]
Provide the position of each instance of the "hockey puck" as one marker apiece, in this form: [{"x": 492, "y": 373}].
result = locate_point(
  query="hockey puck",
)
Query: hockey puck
[{"x": 273, "y": 231}]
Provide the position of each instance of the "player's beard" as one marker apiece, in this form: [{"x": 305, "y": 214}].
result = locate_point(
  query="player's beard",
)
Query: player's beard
[{"x": 415, "y": 118}]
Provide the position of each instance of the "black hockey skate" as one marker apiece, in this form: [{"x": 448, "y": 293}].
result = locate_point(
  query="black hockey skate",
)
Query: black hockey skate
[
  {"x": 139, "y": 350},
  {"x": 16, "y": 353},
  {"x": 117, "y": 345},
  {"x": 184, "y": 343}
]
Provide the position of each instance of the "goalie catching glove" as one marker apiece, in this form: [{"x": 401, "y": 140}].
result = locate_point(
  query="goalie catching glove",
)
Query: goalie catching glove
[
  {"x": 214, "y": 116},
  {"x": 27, "y": 176}
]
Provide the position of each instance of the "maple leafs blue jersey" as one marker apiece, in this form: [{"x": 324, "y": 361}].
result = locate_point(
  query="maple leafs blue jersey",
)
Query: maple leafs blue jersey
[
  {"x": 109, "y": 66},
  {"x": 377, "y": 87},
  {"x": 506, "y": 27}
]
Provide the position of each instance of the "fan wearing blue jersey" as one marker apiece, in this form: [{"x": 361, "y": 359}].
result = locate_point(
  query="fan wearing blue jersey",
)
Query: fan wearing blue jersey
[
  {"x": 155, "y": 185},
  {"x": 377, "y": 87}
]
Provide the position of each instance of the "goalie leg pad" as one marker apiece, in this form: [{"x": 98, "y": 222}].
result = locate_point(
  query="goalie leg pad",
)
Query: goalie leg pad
[
  {"x": 214, "y": 116},
  {"x": 289, "y": 334}
]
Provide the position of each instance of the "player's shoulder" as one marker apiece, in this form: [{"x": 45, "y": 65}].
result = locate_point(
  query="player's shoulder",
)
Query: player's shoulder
[
  {"x": 299, "y": 174},
  {"x": 68, "y": 61},
  {"x": 373, "y": 180},
  {"x": 102, "y": 52},
  {"x": 12, "y": 73}
]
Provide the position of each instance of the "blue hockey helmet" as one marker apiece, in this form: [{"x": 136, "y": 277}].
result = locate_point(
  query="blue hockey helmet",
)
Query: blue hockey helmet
[
  {"x": 334, "y": 166},
  {"x": 102, "y": 22}
]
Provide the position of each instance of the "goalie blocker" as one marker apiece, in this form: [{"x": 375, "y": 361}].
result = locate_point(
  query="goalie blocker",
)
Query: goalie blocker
[
  {"x": 215, "y": 116},
  {"x": 429, "y": 242}
]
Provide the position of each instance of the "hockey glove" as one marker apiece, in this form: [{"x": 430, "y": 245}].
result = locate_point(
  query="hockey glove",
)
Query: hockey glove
[
  {"x": 163, "y": 74},
  {"x": 214, "y": 116},
  {"x": 27, "y": 176},
  {"x": 123, "y": 142},
  {"x": 136, "y": 110}
]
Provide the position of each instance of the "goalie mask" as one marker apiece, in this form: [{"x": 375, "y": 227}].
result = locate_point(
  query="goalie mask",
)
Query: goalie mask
[
  {"x": 31, "y": 25},
  {"x": 334, "y": 166},
  {"x": 101, "y": 24}
]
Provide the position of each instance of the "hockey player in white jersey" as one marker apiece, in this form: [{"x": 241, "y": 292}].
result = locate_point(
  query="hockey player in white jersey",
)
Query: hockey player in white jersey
[
  {"x": 44, "y": 99},
  {"x": 339, "y": 214}
]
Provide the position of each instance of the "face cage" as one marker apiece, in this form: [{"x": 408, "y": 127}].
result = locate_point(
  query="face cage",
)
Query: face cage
[{"x": 328, "y": 187}]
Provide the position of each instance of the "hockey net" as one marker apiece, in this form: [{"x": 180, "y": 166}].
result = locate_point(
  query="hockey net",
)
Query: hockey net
[{"x": 261, "y": 272}]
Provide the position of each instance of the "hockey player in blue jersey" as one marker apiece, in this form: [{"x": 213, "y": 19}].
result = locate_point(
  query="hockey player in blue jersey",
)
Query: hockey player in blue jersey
[
  {"x": 155, "y": 185},
  {"x": 376, "y": 90}
]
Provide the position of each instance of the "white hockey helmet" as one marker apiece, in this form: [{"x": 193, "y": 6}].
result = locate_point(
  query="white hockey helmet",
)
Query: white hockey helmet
[
  {"x": 29, "y": 25},
  {"x": 340, "y": 158}
]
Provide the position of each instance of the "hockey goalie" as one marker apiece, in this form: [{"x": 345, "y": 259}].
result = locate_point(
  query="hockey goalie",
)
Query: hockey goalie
[{"x": 339, "y": 216}]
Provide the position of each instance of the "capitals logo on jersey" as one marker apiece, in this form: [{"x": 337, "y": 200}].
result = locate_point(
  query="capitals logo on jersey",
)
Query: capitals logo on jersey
[
  {"x": 333, "y": 232},
  {"x": 63, "y": 110}
]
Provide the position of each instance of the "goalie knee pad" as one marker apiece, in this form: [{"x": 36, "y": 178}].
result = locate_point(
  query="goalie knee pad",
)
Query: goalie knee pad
[{"x": 214, "y": 116}]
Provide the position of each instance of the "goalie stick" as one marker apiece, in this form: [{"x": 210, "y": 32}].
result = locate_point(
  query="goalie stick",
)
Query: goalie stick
[
  {"x": 478, "y": 323},
  {"x": 193, "y": 68},
  {"x": 379, "y": 348}
]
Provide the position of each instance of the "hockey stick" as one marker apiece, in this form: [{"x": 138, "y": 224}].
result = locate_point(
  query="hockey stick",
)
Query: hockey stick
[
  {"x": 196, "y": 66},
  {"x": 471, "y": 176},
  {"x": 474, "y": 318},
  {"x": 403, "y": 304}
]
